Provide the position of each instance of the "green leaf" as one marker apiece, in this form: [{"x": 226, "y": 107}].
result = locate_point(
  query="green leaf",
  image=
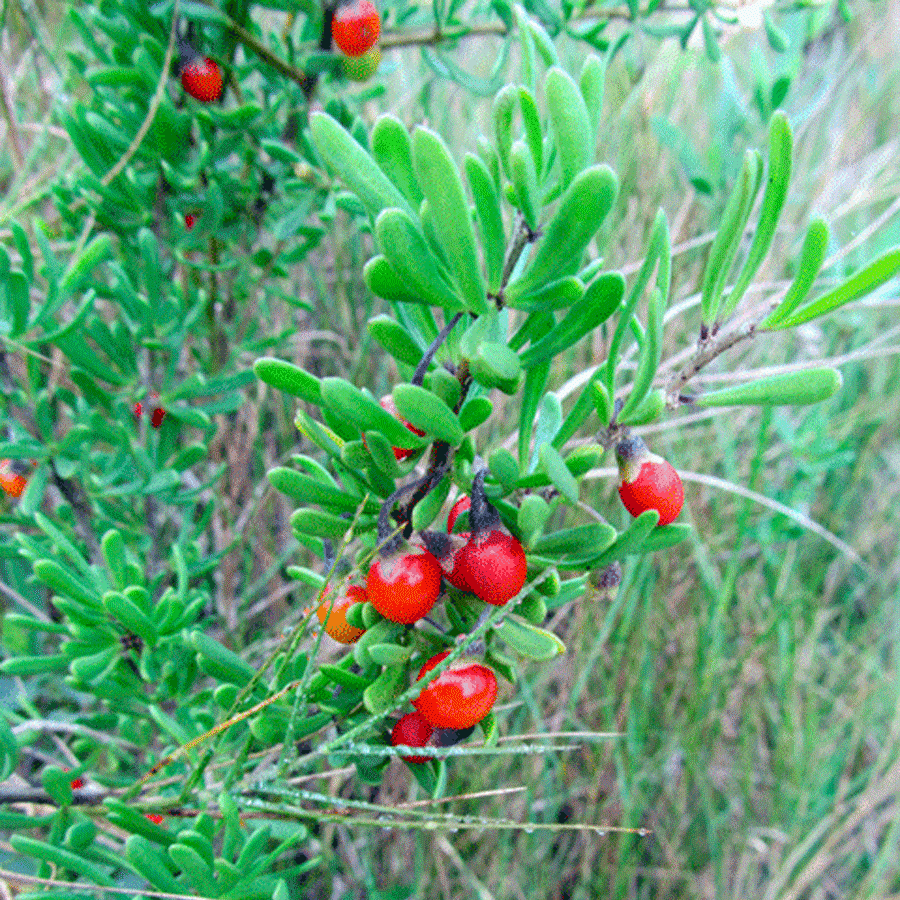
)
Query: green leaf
[
  {"x": 349, "y": 160},
  {"x": 392, "y": 150},
  {"x": 409, "y": 255},
  {"x": 291, "y": 379},
  {"x": 395, "y": 339},
  {"x": 555, "y": 295},
  {"x": 528, "y": 640},
  {"x": 61, "y": 858},
  {"x": 627, "y": 542},
  {"x": 495, "y": 365},
  {"x": 815, "y": 246},
  {"x": 424, "y": 410},
  {"x": 533, "y": 514},
  {"x": 558, "y": 473},
  {"x": 600, "y": 300},
  {"x": 583, "y": 540},
  {"x": 651, "y": 352},
  {"x": 490, "y": 218},
  {"x": 62, "y": 582},
  {"x": 581, "y": 211},
  {"x": 217, "y": 660},
  {"x": 383, "y": 281},
  {"x": 777, "y": 39},
  {"x": 97, "y": 251},
  {"x": 780, "y": 150},
  {"x": 789, "y": 389},
  {"x": 149, "y": 862},
  {"x": 9, "y": 750},
  {"x": 862, "y": 283},
  {"x": 524, "y": 180},
  {"x": 389, "y": 654},
  {"x": 381, "y": 695},
  {"x": 475, "y": 411},
  {"x": 366, "y": 414},
  {"x": 573, "y": 134},
  {"x": 130, "y": 616},
  {"x": 427, "y": 509},
  {"x": 535, "y": 383},
  {"x": 442, "y": 186},
  {"x": 534, "y": 132},
  {"x": 319, "y": 523},
  {"x": 504, "y": 108},
  {"x": 306, "y": 489},
  {"x": 647, "y": 411},
  {"x": 592, "y": 82},
  {"x": 728, "y": 237}
]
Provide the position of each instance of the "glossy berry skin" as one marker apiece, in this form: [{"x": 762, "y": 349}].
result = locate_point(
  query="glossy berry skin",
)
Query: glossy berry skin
[
  {"x": 201, "y": 78},
  {"x": 333, "y": 616},
  {"x": 657, "y": 486},
  {"x": 388, "y": 405},
  {"x": 404, "y": 588},
  {"x": 459, "y": 697},
  {"x": 12, "y": 482},
  {"x": 157, "y": 416},
  {"x": 456, "y": 574},
  {"x": 493, "y": 566},
  {"x": 355, "y": 27},
  {"x": 412, "y": 730},
  {"x": 460, "y": 506}
]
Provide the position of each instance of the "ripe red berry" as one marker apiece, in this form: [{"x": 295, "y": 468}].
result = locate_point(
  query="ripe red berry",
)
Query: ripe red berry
[
  {"x": 494, "y": 567},
  {"x": 202, "y": 79},
  {"x": 647, "y": 482},
  {"x": 77, "y": 784},
  {"x": 190, "y": 220},
  {"x": 388, "y": 405},
  {"x": 412, "y": 730},
  {"x": 355, "y": 26},
  {"x": 333, "y": 615},
  {"x": 403, "y": 588},
  {"x": 459, "y": 697},
  {"x": 138, "y": 409},
  {"x": 157, "y": 416},
  {"x": 460, "y": 506},
  {"x": 12, "y": 479},
  {"x": 156, "y": 818}
]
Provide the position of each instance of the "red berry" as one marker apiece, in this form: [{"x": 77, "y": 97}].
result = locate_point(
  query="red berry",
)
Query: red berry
[
  {"x": 388, "y": 405},
  {"x": 138, "y": 409},
  {"x": 456, "y": 573},
  {"x": 404, "y": 588},
  {"x": 494, "y": 567},
  {"x": 202, "y": 79},
  {"x": 157, "y": 416},
  {"x": 460, "y": 506},
  {"x": 189, "y": 221},
  {"x": 647, "y": 482},
  {"x": 412, "y": 730},
  {"x": 156, "y": 818},
  {"x": 12, "y": 478},
  {"x": 333, "y": 615},
  {"x": 77, "y": 784},
  {"x": 355, "y": 26},
  {"x": 459, "y": 697}
]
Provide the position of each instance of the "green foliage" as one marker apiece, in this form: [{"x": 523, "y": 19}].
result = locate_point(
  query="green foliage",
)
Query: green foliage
[{"x": 176, "y": 267}]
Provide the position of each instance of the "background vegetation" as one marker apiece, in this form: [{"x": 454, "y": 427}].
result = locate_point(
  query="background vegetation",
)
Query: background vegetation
[{"x": 751, "y": 674}]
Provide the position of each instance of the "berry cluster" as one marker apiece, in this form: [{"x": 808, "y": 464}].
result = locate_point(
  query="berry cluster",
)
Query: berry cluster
[{"x": 157, "y": 413}]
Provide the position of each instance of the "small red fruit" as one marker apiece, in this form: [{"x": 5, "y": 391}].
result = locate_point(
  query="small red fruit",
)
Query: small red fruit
[
  {"x": 12, "y": 477},
  {"x": 333, "y": 615},
  {"x": 155, "y": 818},
  {"x": 202, "y": 79},
  {"x": 356, "y": 26},
  {"x": 494, "y": 567},
  {"x": 412, "y": 730},
  {"x": 388, "y": 405},
  {"x": 647, "y": 481},
  {"x": 190, "y": 220},
  {"x": 137, "y": 410},
  {"x": 77, "y": 784},
  {"x": 460, "y": 506},
  {"x": 459, "y": 697},
  {"x": 157, "y": 416},
  {"x": 404, "y": 588}
]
